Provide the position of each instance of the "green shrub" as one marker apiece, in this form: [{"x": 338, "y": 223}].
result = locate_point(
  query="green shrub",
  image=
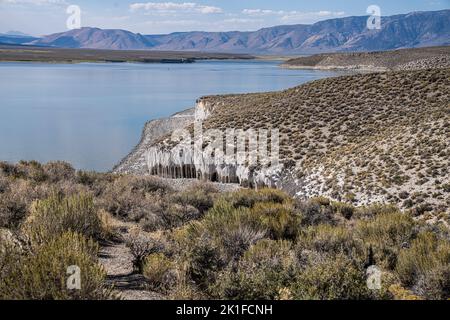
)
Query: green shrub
[
  {"x": 376, "y": 209},
  {"x": 344, "y": 209},
  {"x": 249, "y": 197},
  {"x": 236, "y": 229},
  {"x": 321, "y": 201},
  {"x": 145, "y": 185},
  {"x": 331, "y": 240},
  {"x": 4, "y": 184},
  {"x": 33, "y": 171},
  {"x": 59, "y": 171},
  {"x": 156, "y": 270},
  {"x": 133, "y": 197},
  {"x": 205, "y": 261},
  {"x": 86, "y": 178},
  {"x": 315, "y": 212},
  {"x": 200, "y": 196},
  {"x": 124, "y": 200},
  {"x": 14, "y": 204},
  {"x": 334, "y": 278},
  {"x": 426, "y": 265},
  {"x": 141, "y": 247},
  {"x": 280, "y": 220},
  {"x": 263, "y": 272},
  {"x": 385, "y": 235},
  {"x": 10, "y": 254},
  {"x": 56, "y": 215},
  {"x": 9, "y": 169},
  {"x": 43, "y": 274}
]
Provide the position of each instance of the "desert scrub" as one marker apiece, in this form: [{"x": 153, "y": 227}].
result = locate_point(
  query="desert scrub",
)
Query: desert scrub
[
  {"x": 200, "y": 196},
  {"x": 425, "y": 266},
  {"x": 249, "y": 197},
  {"x": 10, "y": 254},
  {"x": 373, "y": 210},
  {"x": 157, "y": 270},
  {"x": 204, "y": 261},
  {"x": 130, "y": 197},
  {"x": 264, "y": 271},
  {"x": 235, "y": 229},
  {"x": 280, "y": 220},
  {"x": 59, "y": 171},
  {"x": 331, "y": 240},
  {"x": 344, "y": 209},
  {"x": 32, "y": 171},
  {"x": 141, "y": 247},
  {"x": 334, "y": 278},
  {"x": 316, "y": 211},
  {"x": 42, "y": 275},
  {"x": 14, "y": 202},
  {"x": 385, "y": 235},
  {"x": 57, "y": 214}
]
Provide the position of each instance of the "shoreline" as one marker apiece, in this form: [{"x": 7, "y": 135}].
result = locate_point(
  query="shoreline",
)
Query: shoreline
[
  {"x": 381, "y": 61},
  {"x": 356, "y": 68},
  {"x": 11, "y": 53}
]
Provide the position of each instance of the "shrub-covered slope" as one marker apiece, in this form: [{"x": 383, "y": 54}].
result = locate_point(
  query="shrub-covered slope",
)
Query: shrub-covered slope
[
  {"x": 381, "y": 137},
  {"x": 396, "y": 60},
  {"x": 199, "y": 243}
]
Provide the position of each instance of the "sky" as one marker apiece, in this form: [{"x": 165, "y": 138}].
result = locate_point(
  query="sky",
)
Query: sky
[{"x": 41, "y": 17}]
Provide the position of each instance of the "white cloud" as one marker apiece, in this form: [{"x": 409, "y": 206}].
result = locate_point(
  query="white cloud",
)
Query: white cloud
[
  {"x": 293, "y": 16},
  {"x": 171, "y": 7},
  {"x": 306, "y": 17},
  {"x": 261, "y": 12},
  {"x": 209, "y": 9},
  {"x": 35, "y": 2}
]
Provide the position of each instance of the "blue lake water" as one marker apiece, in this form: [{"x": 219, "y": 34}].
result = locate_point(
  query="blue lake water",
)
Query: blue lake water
[{"x": 92, "y": 115}]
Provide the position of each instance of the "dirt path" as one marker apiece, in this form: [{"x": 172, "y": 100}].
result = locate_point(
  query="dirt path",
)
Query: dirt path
[{"x": 117, "y": 259}]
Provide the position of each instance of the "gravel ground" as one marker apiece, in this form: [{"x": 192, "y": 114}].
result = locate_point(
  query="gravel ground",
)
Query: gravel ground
[{"x": 117, "y": 259}]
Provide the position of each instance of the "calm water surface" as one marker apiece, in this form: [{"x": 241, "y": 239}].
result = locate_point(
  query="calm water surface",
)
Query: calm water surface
[{"x": 91, "y": 115}]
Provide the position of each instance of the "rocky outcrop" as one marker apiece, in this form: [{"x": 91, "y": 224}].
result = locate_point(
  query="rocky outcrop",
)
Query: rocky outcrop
[
  {"x": 159, "y": 154},
  {"x": 135, "y": 161}
]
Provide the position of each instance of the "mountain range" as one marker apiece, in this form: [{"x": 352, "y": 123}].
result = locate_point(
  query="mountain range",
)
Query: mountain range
[
  {"x": 417, "y": 29},
  {"x": 16, "y": 37}
]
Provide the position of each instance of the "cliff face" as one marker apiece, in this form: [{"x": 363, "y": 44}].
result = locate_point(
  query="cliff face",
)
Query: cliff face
[
  {"x": 166, "y": 151},
  {"x": 135, "y": 162}
]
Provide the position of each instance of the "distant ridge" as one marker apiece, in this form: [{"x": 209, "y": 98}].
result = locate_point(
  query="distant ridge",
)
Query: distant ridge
[
  {"x": 417, "y": 29},
  {"x": 16, "y": 38}
]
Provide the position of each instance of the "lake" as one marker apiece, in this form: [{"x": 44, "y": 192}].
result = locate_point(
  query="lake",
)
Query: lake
[{"x": 92, "y": 114}]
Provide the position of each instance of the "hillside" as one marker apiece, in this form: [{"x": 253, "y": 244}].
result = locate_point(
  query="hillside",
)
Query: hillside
[
  {"x": 9, "y": 38},
  {"x": 417, "y": 29},
  {"x": 403, "y": 59},
  {"x": 379, "y": 137}
]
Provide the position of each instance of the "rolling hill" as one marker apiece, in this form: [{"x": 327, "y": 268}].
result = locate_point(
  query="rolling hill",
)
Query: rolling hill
[{"x": 379, "y": 137}]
